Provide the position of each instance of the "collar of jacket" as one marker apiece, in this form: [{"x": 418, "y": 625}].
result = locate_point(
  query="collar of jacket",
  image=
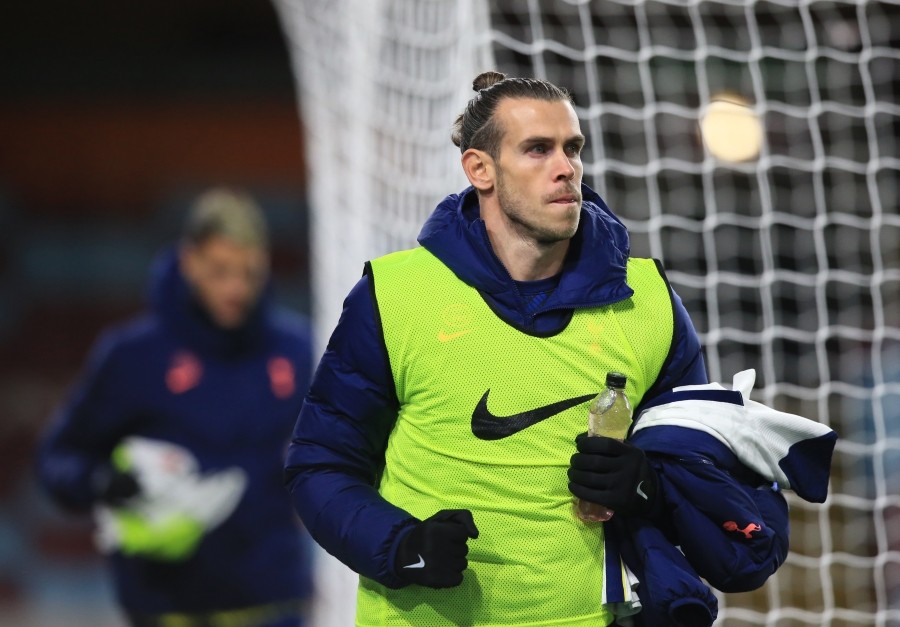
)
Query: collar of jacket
[
  {"x": 173, "y": 302},
  {"x": 593, "y": 274}
]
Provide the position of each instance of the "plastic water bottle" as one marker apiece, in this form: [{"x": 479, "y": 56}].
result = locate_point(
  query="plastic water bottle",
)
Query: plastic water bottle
[{"x": 609, "y": 415}]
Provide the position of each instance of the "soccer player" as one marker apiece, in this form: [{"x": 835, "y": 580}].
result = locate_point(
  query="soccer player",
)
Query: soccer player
[
  {"x": 175, "y": 436},
  {"x": 436, "y": 451}
]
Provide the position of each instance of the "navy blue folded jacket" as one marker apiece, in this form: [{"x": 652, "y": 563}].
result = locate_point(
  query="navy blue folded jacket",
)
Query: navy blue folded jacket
[
  {"x": 231, "y": 399},
  {"x": 722, "y": 460}
]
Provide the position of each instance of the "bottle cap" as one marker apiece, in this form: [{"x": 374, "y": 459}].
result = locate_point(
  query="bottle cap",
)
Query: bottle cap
[{"x": 615, "y": 380}]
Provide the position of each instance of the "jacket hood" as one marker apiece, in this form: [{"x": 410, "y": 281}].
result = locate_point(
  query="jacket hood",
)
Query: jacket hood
[
  {"x": 593, "y": 273},
  {"x": 172, "y": 300}
]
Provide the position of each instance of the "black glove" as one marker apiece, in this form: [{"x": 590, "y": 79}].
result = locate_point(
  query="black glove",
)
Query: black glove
[
  {"x": 113, "y": 486},
  {"x": 613, "y": 473},
  {"x": 433, "y": 554}
]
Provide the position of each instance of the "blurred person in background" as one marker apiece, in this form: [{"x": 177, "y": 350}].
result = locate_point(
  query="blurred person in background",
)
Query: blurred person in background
[{"x": 175, "y": 436}]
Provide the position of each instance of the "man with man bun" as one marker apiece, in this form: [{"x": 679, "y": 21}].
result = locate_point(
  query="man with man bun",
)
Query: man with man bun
[{"x": 437, "y": 453}]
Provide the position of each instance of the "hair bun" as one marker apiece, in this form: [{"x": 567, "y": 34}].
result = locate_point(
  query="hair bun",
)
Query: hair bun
[{"x": 487, "y": 79}]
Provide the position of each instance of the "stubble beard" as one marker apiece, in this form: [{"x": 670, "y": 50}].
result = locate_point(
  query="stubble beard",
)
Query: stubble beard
[{"x": 522, "y": 218}]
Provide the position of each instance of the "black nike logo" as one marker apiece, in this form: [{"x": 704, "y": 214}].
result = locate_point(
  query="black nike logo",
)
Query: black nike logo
[{"x": 487, "y": 426}]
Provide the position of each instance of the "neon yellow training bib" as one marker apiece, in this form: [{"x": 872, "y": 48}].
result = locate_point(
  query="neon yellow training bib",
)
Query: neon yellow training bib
[{"x": 487, "y": 422}]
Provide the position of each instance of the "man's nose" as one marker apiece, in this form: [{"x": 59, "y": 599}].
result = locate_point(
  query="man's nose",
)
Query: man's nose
[{"x": 565, "y": 169}]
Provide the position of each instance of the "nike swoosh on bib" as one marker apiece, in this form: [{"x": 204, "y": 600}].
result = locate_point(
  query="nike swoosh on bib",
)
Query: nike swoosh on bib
[{"x": 487, "y": 426}]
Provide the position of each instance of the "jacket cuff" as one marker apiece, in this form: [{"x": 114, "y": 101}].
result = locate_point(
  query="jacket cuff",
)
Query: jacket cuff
[
  {"x": 388, "y": 576},
  {"x": 691, "y": 612}
]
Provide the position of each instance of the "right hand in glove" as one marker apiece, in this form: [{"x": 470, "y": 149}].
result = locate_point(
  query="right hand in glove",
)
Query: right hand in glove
[{"x": 434, "y": 553}]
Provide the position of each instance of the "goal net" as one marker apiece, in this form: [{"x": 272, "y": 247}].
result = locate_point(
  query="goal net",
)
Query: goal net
[{"x": 752, "y": 146}]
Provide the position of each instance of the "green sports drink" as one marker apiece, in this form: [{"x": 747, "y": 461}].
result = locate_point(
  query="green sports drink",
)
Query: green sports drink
[{"x": 609, "y": 415}]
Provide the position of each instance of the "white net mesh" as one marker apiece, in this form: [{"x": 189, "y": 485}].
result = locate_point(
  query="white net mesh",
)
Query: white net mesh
[
  {"x": 788, "y": 263},
  {"x": 380, "y": 83}
]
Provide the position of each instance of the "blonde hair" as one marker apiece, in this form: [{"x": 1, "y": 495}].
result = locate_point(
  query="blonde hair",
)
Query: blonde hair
[{"x": 228, "y": 213}]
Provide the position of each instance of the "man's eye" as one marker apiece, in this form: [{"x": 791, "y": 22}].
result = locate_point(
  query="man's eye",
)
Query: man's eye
[
  {"x": 574, "y": 149},
  {"x": 539, "y": 148}
]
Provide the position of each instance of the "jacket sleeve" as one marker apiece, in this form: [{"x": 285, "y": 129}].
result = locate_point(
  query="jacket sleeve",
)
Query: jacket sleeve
[
  {"x": 84, "y": 431},
  {"x": 670, "y": 590},
  {"x": 685, "y": 364},
  {"x": 337, "y": 449},
  {"x": 734, "y": 534}
]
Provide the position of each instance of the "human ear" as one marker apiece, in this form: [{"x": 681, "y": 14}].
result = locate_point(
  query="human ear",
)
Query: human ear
[{"x": 479, "y": 168}]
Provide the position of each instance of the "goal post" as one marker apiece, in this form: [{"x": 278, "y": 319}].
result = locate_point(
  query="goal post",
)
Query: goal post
[{"x": 752, "y": 146}]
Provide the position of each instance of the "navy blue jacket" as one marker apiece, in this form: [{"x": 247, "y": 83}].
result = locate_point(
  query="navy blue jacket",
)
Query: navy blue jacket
[
  {"x": 702, "y": 483},
  {"x": 338, "y": 445},
  {"x": 233, "y": 405}
]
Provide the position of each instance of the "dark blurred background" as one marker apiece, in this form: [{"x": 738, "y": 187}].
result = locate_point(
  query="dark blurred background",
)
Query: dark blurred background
[{"x": 112, "y": 117}]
